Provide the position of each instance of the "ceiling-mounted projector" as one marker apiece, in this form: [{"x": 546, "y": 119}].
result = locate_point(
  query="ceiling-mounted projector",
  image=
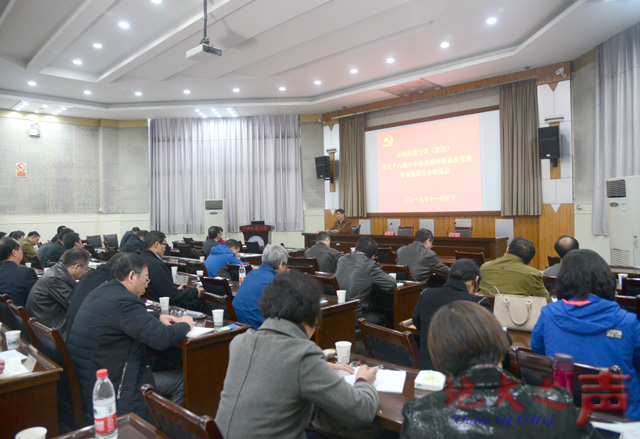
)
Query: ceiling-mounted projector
[{"x": 203, "y": 52}]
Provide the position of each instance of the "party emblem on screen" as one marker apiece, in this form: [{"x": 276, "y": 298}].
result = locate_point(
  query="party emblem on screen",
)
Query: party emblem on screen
[{"x": 388, "y": 142}]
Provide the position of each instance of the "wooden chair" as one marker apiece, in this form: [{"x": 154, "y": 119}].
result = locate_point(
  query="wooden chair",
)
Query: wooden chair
[
  {"x": 5, "y": 313},
  {"x": 94, "y": 240},
  {"x": 402, "y": 271},
  {"x": 175, "y": 421},
  {"x": 50, "y": 342},
  {"x": 553, "y": 260},
  {"x": 111, "y": 240},
  {"x": 233, "y": 270},
  {"x": 355, "y": 230},
  {"x": 307, "y": 269},
  {"x": 188, "y": 241},
  {"x": 185, "y": 251},
  {"x": 386, "y": 255},
  {"x": 91, "y": 250},
  {"x": 35, "y": 262},
  {"x": 224, "y": 302},
  {"x": 630, "y": 303},
  {"x": 194, "y": 267},
  {"x": 218, "y": 286},
  {"x": 630, "y": 286},
  {"x": 253, "y": 247},
  {"x": 304, "y": 262},
  {"x": 390, "y": 345},
  {"x": 329, "y": 283},
  {"x": 478, "y": 257},
  {"x": 405, "y": 231},
  {"x": 21, "y": 319}
]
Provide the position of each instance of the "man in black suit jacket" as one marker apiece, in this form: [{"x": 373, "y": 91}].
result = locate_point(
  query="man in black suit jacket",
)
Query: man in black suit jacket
[
  {"x": 15, "y": 279},
  {"x": 326, "y": 256},
  {"x": 422, "y": 261},
  {"x": 161, "y": 284},
  {"x": 463, "y": 282}
]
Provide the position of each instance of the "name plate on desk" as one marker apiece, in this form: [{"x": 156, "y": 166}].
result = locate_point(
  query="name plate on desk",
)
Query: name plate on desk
[
  {"x": 390, "y": 233},
  {"x": 454, "y": 235},
  {"x": 256, "y": 228}
]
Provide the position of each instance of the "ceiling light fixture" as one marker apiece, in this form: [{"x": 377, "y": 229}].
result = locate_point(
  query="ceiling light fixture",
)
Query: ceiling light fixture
[
  {"x": 32, "y": 83},
  {"x": 390, "y": 60},
  {"x": 491, "y": 21},
  {"x": 87, "y": 92},
  {"x": 45, "y": 106},
  {"x": 97, "y": 46},
  {"x": 282, "y": 88},
  {"x": 187, "y": 92},
  {"x": 444, "y": 44},
  {"x": 37, "y": 111},
  {"x": 353, "y": 71},
  {"x": 236, "y": 90},
  {"x": 77, "y": 62},
  {"x": 123, "y": 25},
  {"x": 157, "y": 2},
  {"x": 317, "y": 82},
  {"x": 138, "y": 93}
]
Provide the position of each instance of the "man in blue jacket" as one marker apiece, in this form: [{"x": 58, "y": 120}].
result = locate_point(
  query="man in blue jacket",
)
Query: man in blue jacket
[
  {"x": 274, "y": 261},
  {"x": 220, "y": 256},
  {"x": 113, "y": 328}
]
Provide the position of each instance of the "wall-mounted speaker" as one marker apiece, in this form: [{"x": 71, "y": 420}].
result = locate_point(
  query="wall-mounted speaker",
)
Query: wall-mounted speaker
[{"x": 323, "y": 168}]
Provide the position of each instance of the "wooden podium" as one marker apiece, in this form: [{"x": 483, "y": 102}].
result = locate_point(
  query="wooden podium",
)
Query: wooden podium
[{"x": 256, "y": 233}]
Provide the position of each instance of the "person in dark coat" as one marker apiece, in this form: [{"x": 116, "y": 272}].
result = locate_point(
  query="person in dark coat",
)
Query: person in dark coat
[
  {"x": 69, "y": 239},
  {"x": 480, "y": 399},
  {"x": 135, "y": 244},
  {"x": 15, "y": 280},
  {"x": 127, "y": 235},
  {"x": 422, "y": 261},
  {"x": 214, "y": 236},
  {"x": 462, "y": 285},
  {"x": 111, "y": 331},
  {"x": 161, "y": 280},
  {"x": 326, "y": 256}
]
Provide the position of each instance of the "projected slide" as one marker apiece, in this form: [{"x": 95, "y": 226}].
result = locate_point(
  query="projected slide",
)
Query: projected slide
[{"x": 449, "y": 165}]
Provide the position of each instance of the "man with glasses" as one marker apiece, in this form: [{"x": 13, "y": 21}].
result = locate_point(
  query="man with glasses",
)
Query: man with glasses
[
  {"x": 49, "y": 298},
  {"x": 161, "y": 284},
  {"x": 112, "y": 329}
]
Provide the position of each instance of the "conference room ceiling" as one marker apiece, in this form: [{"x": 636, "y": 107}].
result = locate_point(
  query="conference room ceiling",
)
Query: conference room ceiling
[{"x": 274, "y": 51}]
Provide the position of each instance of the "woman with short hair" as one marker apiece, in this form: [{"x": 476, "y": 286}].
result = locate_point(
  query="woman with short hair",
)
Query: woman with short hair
[
  {"x": 276, "y": 374},
  {"x": 588, "y": 324},
  {"x": 480, "y": 399}
]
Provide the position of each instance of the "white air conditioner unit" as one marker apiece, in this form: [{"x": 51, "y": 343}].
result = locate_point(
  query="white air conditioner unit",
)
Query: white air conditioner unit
[
  {"x": 623, "y": 201},
  {"x": 214, "y": 214}
]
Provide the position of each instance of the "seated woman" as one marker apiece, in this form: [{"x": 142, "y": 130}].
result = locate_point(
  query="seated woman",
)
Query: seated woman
[
  {"x": 480, "y": 399},
  {"x": 462, "y": 284},
  {"x": 588, "y": 324},
  {"x": 276, "y": 374}
]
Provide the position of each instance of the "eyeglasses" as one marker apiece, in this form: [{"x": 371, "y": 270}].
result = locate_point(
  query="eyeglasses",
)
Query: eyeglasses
[{"x": 145, "y": 278}]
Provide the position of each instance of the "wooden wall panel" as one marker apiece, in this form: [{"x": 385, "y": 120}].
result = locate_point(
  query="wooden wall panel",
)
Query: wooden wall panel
[{"x": 542, "y": 230}]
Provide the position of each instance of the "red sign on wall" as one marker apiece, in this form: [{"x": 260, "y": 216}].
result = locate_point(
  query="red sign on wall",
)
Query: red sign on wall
[{"x": 21, "y": 169}]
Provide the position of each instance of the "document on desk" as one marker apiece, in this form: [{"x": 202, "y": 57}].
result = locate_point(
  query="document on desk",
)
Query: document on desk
[
  {"x": 391, "y": 381},
  {"x": 627, "y": 430},
  {"x": 198, "y": 331},
  {"x": 12, "y": 353}
]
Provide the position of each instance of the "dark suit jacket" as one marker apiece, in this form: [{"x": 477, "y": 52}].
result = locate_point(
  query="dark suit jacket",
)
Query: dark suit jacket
[
  {"x": 43, "y": 251},
  {"x": 16, "y": 281},
  {"x": 421, "y": 261},
  {"x": 208, "y": 245},
  {"x": 128, "y": 234},
  {"x": 430, "y": 301},
  {"x": 55, "y": 252},
  {"x": 132, "y": 245},
  {"x": 327, "y": 257},
  {"x": 358, "y": 275},
  {"x": 89, "y": 282},
  {"x": 161, "y": 284}
]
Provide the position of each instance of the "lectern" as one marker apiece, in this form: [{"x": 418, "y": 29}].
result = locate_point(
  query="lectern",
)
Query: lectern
[{"x": 256, "y": 233}]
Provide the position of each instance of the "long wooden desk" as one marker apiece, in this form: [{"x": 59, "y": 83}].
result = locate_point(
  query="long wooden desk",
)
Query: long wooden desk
[
  {"x": 399, "y": 302},
  {"x": 29, "y": 400},
  {"x": 444, "y": 246},
  {"x": 130, "y": 426}
]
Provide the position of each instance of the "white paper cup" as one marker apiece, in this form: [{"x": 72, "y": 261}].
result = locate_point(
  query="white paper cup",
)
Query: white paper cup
[
  {"x": 342, "y": 295},
  {"x": 353, "y": 249},
  {"x": 27, "y": 264},
  {"x": 202, "y": 258},
  {"x": 13, "y": 339},
  {"x": 32, "y": 433},
  {"x": 393, "y": 275},
  {"x": 218, "y": 317},
  {"x": 164, "y": 305},
  {"x": 343, "y": 351},
  {"x": 620, "y": 277},
  {"x": 200, "y": 272}
]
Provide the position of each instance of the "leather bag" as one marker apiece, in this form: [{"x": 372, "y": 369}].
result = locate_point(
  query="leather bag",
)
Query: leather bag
[{"x": 519, "y": 313}]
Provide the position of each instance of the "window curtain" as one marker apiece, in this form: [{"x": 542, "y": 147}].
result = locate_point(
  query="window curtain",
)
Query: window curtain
[
  {"x": 617, "y": 124},
  {"x": 352, "y": 193},
  {"x": 253, "y": 163},
  {"x": 520, "y": 160}
]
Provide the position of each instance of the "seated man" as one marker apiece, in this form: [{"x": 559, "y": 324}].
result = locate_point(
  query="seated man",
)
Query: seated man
[
  {"x": 511, "y": 273},
  {"x": 113, "y": 328},
  {"x": 29, "y": 242},
  {"x": 214, "y": 237},
  {"x": 422, "y": 261},
  {"x": 49, "y": 298},
  {"x": 222, "y": 255},
  {"x": 129, "y": 234},
  {"x": 563, "y": 245},
  {"x": 326, "y": 256},
  {"x": 161, "y": 284},
  {"x": 69, "y": 240},
  {"x": 135, "y": 244},
  {"x": 245, "y": 303},
  {"x": 15, "y": 280},
  {"x": 358, "y": 274},
  {"x": 17, "y": 235},
  {"x": 342, "y": 224},
  {"x": 44, "y": 249}
]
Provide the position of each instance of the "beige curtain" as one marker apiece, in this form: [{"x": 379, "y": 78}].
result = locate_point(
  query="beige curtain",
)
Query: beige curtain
[
  {"x": 521, "y": 187},
  {"x": 351, "y": 190}
]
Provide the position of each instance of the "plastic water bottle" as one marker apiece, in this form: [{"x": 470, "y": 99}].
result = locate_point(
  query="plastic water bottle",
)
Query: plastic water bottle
[
  {"x": 104, "y": 406},
  {"x": 241, "y": 273},
  {"x": 563, "y": 371}
]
